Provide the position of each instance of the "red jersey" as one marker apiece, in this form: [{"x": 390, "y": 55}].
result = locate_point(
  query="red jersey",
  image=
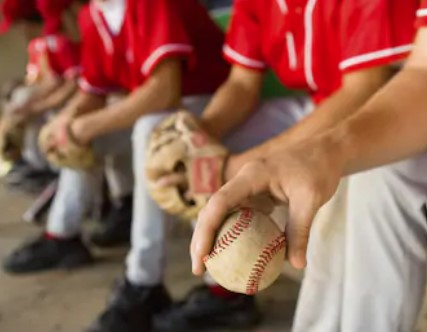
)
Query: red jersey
[
  {"x": 310, "y": 44},
  {"x": 51, "y": 11},
  {"x": 63, "y": 56},
  {"x": 422, "y": 14},
  {"x": 151, "y": 31}
]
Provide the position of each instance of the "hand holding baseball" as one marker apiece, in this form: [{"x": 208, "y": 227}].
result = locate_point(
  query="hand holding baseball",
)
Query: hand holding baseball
[
  {"x": 248, "y": 253},
  {"x": 304, "y": 177}
]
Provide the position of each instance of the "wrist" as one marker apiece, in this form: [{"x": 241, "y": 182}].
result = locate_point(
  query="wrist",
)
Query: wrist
[
  {"x": 79, "y": 132},
  {"x": 337, "y": 146}
]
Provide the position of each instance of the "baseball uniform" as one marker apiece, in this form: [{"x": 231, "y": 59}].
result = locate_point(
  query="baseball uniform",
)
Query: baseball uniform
[
  {"x": 310, "y": 45},
  {"x": 123, "y": 42},
  {"x": 63, "y": 57},
  {"x": 385, "y": 246}
]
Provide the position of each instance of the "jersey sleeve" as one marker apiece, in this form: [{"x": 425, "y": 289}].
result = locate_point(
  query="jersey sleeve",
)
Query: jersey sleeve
[
  {"x": 422, "y": 15},
  {"x": 64, "y": 56},
  {"x": 375, "y": 32},
  {"x": 92, "y": 79},
  {"x": 35, "y": 50},
  {"x": 161, "y": 28},
  {"x": 243, "y": 44}
]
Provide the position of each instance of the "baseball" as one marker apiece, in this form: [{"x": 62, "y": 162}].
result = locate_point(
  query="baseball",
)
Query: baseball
[{"x": 248, "y": 254}]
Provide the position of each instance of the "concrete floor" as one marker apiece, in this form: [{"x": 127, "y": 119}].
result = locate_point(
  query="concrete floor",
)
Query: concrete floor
[{"x": 69, "y": 301}]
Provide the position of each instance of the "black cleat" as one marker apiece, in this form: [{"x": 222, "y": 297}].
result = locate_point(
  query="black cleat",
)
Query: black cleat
[
  {"x": 202, "y": 310},
  {"x": 131, "y": 309},
  {"x": 47, "y": 254},
  {"x": 116, "y": 228}
]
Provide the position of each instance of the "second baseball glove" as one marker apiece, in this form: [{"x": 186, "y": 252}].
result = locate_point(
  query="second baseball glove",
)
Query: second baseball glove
[
  {"x": 179, "y": 145},
  {"x": 61, "y": 150}
]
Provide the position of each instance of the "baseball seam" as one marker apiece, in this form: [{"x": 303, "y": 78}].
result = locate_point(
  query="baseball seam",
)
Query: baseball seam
[
  {"x": 262, "y": 262},
  {"x": 232, "y": 234}
]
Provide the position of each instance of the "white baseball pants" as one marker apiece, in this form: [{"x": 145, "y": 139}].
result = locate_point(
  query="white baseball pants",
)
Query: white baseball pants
[
  {"x": 380, "y": 284},
  {"x": 146, "y": 260}
]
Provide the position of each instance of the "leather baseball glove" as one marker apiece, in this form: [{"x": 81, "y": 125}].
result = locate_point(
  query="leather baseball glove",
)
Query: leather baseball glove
[
  {"x": 61, "y": 149},
  {"x": 12, "y": 131},
  {"x": 179, "y": 145},
  {"x": 14, "y": 97}
]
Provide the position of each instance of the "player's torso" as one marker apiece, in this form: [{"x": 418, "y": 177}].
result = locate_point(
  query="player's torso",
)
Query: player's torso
[
  {"x": 300, "y": 42},
  {"x": 122, "y": 57}
]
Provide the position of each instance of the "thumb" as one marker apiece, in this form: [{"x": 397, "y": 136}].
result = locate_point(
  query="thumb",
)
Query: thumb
[{"x": 301, "y": 215}]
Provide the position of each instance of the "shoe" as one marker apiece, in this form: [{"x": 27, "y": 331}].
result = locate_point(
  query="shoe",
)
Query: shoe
[
  {"x": 116, "y": 228},
  {"x": 131, "y": 309},
  {"x": 25, "y": 178},
  {"x": 202, "y": 310},
  {"x": 46, "y": 254}
]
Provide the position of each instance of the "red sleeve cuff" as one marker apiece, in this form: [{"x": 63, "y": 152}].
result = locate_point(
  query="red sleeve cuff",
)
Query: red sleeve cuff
[
  {"x": 163, "y": 52},
  {"x": 234, "y": 57},
  {"x": 377, "y": 58},
  {"x": 421, "y": 18}
]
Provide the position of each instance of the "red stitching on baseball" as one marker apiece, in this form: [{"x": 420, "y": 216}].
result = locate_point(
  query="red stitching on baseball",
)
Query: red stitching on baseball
[
  {"x": 261, "y": 264},
  {"x": 242, "y": 223}
]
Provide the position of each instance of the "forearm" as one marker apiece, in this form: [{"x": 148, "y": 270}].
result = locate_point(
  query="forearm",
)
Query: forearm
[
  {"x": 125, "y": 113},
  {"x": 82, "y": 103},
  {"x": 231, "y": 105},
  {"x": 356, "y": 91},
  {"x": 389, "y": 128},
  {"x": 56, "y": 98}
]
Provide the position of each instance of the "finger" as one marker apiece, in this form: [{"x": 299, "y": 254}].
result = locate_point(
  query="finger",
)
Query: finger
[
  {"x": 172, "y": 180},
  {"x": 264, "y": 203},
  {"x": 244, "y": 185},
  {"x": 302, "y": 210}
]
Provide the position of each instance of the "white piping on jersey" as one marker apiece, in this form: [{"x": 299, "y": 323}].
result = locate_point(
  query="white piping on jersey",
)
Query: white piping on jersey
[
  {"x": 243, "y": 59},
  {"x": 162, "y": 50},
  {"x": 283, "y": 6},
  {"x": 290, "y": 41},
  {"x": 103, "y": 33},
  {"x": 308, "y": 51},
  {"x": 357, "y": 60},
  {"x": 422, "y": 12}
]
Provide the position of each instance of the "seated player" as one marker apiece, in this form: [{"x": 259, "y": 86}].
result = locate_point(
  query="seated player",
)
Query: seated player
[
  {"x": 166, "y": 54},
  {"x": 385, "y": 273},
  {"x": 341, "y": 52}
]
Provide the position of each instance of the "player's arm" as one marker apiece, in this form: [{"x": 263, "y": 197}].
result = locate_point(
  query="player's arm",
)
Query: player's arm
[
  {"x": 233, "y": 102},
  {"x": 56, "y": 98},
  {"x": 392, "y": 126},
  {"x": 161, "y": 91},
  {"x": 357, "y": 88},
  {"x": 82, "y": 103}
]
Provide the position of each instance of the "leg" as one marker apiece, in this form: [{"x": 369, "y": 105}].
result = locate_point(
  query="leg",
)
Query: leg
[
  {"x": 62, "y": 245},
  {"x": 145, "y": 262},
  {"x": 319, "y": 302},
  {"x": 385, "y": 268},
  {"x": 115, "y": 227},
  {"x": 211, "y": 305},
  {"x": 73, "y": 200},
  {"x": 141, "y": 290}
]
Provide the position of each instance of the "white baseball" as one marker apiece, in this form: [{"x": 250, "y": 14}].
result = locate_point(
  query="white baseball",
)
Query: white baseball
[{"x": 248, "y": 253}]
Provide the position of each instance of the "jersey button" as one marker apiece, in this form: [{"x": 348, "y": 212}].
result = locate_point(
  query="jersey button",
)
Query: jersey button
[{"x": 298, "y": 10}]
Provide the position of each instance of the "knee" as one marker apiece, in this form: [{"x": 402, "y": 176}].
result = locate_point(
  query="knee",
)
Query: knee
[{"x": 145, "y": 125}]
